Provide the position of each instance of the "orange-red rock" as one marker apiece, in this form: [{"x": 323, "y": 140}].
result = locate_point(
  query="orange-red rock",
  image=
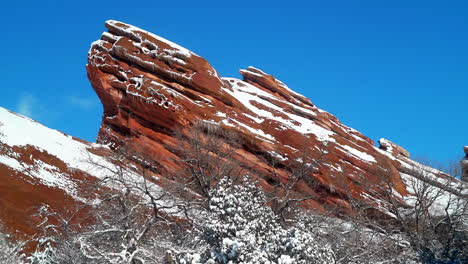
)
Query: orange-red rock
[
  {"x": 393, "y": 148},
  {"x": 152, "y": 88}
]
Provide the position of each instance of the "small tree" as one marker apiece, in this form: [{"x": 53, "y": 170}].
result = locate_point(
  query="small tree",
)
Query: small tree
[
  {"x": 285, "y": 199},
  {"x": 240, "y": 228},
  {"x": 432, "y": 219},
  {"x": 207, "y": 155},
  {"x": 126, "y": 220}
]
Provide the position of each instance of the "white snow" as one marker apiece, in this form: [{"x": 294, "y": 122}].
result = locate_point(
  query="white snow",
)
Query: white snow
[
  {"x": 246, "y": 94},
  {"x": 251, "y": 70},
  {"x": 277, "y": 155},
  {"x": 21, "y": 131},
  {"x": 441, "y": 197},
  {"x": 48, "y": 175},
  {"x": 259, "y": 133},
  {"x": 386, "y": 144},
  {"x": 136, "y": 32},
  {"x": 18, "y": 130},
  {"x": 256, "y": 119},
  {"x": 362, "y": 155}
]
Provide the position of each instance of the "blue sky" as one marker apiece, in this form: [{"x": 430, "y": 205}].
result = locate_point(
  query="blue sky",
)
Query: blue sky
[{"x": 393, "y": 69}]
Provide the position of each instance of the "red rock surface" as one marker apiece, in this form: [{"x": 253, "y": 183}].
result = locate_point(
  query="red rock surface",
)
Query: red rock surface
[
  {"x": 393, "y": 148},
  {"x": 33, "y": 172},
  {"x": 151, "y": 88}
]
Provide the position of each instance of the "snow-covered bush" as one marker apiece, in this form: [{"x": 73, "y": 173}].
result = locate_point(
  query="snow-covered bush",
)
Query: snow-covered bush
[
  {"x": 241, "y": 228},
  {"x": 9, "y": 252},
  {"x": 355, "y": 241},
  {"x": 44, "y": 253}
]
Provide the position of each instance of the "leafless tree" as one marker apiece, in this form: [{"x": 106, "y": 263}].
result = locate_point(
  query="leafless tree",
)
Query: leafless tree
[
  {"x": 436, "y": 221},
  {"x": 128, "y": 218},
  {"x": 285, "y": 199},
  {"x": 207, "y": 154},
  {"x": 432, "y": 218}
]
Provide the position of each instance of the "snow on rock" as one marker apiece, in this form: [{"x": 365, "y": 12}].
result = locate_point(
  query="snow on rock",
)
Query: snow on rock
[
  {"x": 22, "y": 131},
  {"x": 39, "y": 165},
  {"x": 251, "y": 98},
  {"x": 276, "y": 124},
  {"x": 138, "y": 33},
  {"x": 359, "y": 154},
  {"x": 152, "y": 89},
  {"x": 393, "y": 148}
]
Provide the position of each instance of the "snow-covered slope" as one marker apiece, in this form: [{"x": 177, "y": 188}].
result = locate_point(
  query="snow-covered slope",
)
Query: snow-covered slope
[
  {"x": 20, "y": 132},
  {"x": 39, "y": 165},
  {"x": 42, "y": 166}
]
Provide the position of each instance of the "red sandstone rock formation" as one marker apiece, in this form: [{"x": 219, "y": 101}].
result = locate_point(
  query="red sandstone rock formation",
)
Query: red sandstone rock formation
[
  {"x": 151, "y": 88},
  {"x": 393, "y": 148},
  {"x": 40, "y": 166}
]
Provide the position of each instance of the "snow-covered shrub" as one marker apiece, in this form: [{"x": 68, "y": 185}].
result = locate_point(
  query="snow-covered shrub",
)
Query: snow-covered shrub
[
  {"x": 355, "y": 241},
  {"x": 241, "y": 228},
  {"x": 44, "y": 253},
  {"x": 9, "y": 252}
]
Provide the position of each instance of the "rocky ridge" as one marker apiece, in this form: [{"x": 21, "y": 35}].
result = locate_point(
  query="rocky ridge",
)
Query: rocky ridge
[{"x": 152, "y": 89}]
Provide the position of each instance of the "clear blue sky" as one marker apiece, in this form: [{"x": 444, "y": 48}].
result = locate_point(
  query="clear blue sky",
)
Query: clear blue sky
[{"x": 393, "y": 69}]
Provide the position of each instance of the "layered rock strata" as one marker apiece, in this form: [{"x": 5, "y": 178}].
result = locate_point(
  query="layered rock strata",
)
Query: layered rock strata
[{"x": 152, "y": 88}]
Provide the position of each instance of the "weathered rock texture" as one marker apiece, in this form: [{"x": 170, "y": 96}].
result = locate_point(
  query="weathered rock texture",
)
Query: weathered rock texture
[
  {"x": 151, "y": 88},
  {"x": 393, "y": 148},
  {"x": 40, "y": 166},
  {"x": 464, "y": 165}
]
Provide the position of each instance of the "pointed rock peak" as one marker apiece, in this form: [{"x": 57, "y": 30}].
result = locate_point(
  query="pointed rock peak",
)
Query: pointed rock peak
[
  {"x": 465, "y": 148},
  {"x": 140, "y": 35},
  {"x": 260, "y": 78},
  {"x": 130, "y": 61}
]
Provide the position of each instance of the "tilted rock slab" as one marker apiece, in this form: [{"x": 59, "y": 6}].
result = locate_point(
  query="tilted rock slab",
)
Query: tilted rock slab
[{"x": 151, "y": 88}]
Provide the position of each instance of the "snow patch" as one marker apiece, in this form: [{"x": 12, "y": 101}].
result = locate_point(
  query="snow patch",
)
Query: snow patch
[
  {"x": 362, "y": 155},
  {"x": 135, "y": 31},
  {"x": 247, "y": 94}
]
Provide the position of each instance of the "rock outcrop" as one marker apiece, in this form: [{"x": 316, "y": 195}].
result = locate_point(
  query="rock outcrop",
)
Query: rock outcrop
[
  {"x": 40, "y": 166},
  {"x": 154, "y": 92},
  {"x": 464, "y": 165},
  {"x": 393, "y": 148},
  {"x": 151, "y": 88}
]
